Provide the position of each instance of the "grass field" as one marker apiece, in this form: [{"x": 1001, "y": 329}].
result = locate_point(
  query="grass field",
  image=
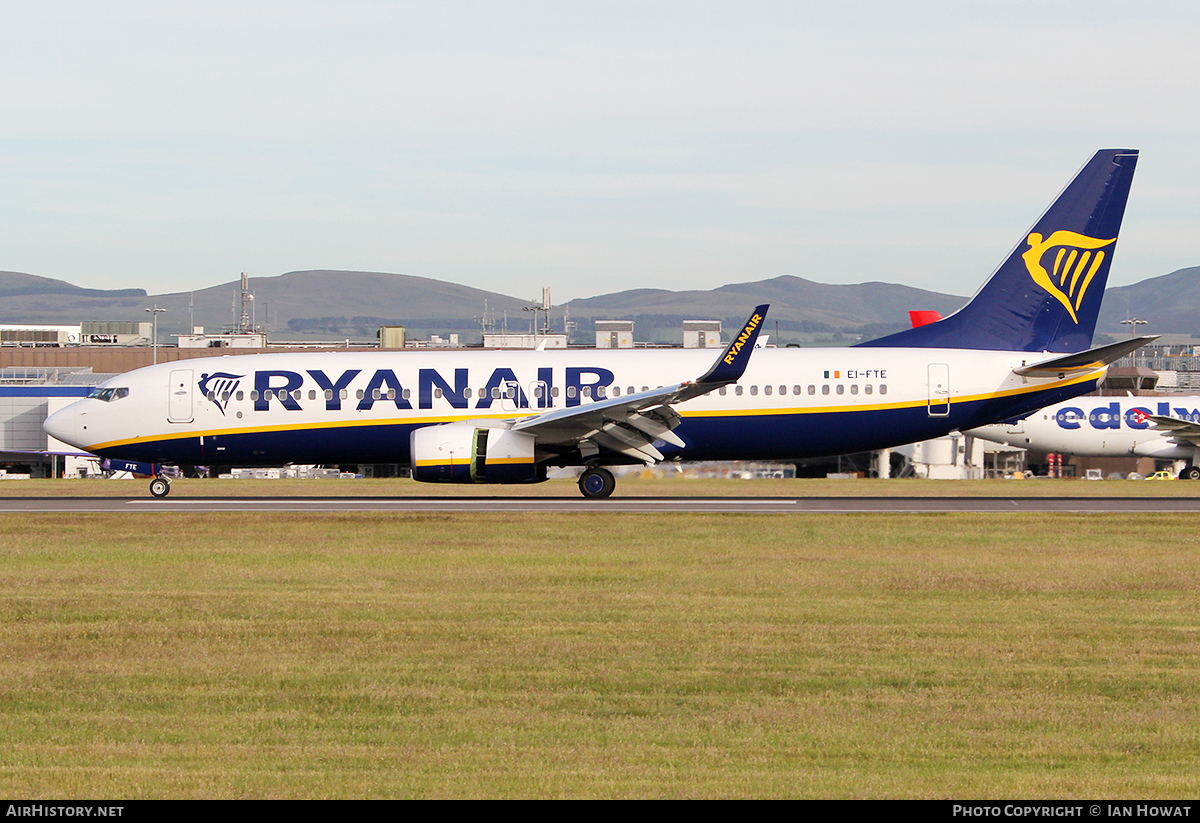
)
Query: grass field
[{"x": 600, "y": 655}]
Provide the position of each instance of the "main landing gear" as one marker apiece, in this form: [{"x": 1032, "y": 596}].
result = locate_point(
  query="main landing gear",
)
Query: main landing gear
[
  {"x": 1190, "y": 472},
  {"x": 160, "y": 487},
  {"x": 597, "y": 482}
]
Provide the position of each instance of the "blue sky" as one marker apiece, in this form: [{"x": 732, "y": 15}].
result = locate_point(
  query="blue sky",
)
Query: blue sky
[{"x": 589, "y": 147}]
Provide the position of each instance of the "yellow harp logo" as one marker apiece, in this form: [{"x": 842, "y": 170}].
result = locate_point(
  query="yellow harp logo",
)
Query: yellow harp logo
[{"x": 1074, "y": 265}]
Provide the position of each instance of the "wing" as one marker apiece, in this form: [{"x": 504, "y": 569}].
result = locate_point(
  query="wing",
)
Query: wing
[
  {"x": 629, "y": 425},
  {"x": 1179, "y": 430},
  {"x": 50, "y": 452}
]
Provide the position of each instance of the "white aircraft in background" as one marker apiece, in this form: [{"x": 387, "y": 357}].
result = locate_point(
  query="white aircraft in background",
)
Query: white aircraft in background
[
  {"x": 505, "y": 417},
  {"x": 1167, "y": 428}
]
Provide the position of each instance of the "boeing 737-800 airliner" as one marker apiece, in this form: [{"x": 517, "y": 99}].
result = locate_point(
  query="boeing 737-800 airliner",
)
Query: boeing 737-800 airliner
[{"x": 1021, "y": 343}]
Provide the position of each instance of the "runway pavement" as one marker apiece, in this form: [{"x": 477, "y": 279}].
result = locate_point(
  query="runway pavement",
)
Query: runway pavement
[{"x": 694, "y": 505}]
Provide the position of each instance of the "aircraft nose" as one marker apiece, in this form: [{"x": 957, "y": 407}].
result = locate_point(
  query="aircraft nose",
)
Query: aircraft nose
[{"x": 64, "y": 425}]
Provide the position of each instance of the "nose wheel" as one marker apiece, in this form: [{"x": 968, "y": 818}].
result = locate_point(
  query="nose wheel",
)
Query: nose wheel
[
  {"x": 160, "y": 487},
  {"x": 596, "y": 483}
]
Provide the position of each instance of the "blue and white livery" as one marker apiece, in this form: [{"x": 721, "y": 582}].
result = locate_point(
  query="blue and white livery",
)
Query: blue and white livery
[
  {"x": 1021, "y": 343},
  {"x": 1165, "y": 428}
]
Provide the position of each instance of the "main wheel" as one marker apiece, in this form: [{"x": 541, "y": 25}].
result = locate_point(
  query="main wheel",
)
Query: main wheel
[
  {"x": 596, "y": 482},
  {"x": 1190, "y": 473},
  {"x": 160, "y": 487}
]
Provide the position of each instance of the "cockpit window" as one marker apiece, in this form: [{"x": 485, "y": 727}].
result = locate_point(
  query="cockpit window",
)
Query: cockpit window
[{"x": 107, "y": 394}]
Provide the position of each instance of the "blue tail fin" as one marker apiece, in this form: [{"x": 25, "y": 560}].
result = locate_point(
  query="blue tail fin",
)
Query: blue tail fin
[{"x": 1046, "y": 295}]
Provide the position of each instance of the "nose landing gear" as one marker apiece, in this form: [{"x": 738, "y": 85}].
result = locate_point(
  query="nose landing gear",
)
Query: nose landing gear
[{"x": 160, "y": 487}]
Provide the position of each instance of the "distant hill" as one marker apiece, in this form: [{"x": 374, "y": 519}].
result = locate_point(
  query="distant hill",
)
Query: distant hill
[
  {"x": 1170, "y": 304},
  {"x": 330, "y": 303},
  {"x": 796, "y": 305},
  {"x": 15, "y": 284},
  {"x": 350, "y": 303}
]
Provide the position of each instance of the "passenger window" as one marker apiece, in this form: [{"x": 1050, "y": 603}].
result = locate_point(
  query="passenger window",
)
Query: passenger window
[
  {"x": 737, "y": 390},
  {"x": 554, "y": 391},
  {"x": 312, "y": 394},
  {"x": 841, "y": 389},
  {"x": 600, "y": 391},
  {"x": 570, "y": 391},
  {"x": 767, "y": 389},
  {"x": 329, "y": 394},
  {"x": 360, "y": 394},
  {"x": 854, "y": 388},
  {"x": 241, "y": 396},
  {"x": 254, "y": 394},
  {"x": 867, "y": 388},
  {"x": 753, "y": 391},
  {"x": 883, "y": 388},
  {"x": 629, "y": 390},
  {"x": 436, "y": 393},
  {"x": 391, "y": 395},
  {"x": 812, "y": 389},
  {"x": 467, "y": 393},
  {"x": 587, "y": 391},
  {"x": 722, "y": 391}
]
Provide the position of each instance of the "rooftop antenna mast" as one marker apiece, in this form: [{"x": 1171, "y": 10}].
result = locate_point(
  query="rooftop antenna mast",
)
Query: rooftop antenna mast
[
  {"x": 244, "y": 324},
  {"x": 488, "y": 320},
  {"x": 543, "y": 308}
]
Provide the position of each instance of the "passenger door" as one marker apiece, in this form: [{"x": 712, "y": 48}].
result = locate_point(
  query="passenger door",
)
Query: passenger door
[
  {"x": 939, "y": 389},
  {"x": 179, "y": 403}
]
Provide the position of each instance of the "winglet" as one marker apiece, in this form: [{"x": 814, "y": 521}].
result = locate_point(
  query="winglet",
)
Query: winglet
[{"x": 732, "y": 362}]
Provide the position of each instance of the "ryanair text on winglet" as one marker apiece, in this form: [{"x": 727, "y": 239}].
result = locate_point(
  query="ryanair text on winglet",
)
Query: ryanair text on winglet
[{"x": 749, "y": 328}]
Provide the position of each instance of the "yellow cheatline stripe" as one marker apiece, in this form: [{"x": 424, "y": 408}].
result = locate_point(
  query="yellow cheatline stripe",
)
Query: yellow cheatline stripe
[
  {"x": 905, "y": 404},
  {"x": 335, "y": 424},
  {"x": 491, "y": 461},
  {"x": 422, "y": 421}
]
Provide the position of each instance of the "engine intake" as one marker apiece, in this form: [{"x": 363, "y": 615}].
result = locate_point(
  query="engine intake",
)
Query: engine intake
[{"x": 466, "y": 453}]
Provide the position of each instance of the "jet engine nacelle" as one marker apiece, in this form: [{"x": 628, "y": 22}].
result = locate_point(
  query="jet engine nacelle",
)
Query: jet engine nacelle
[{"x": 466, "y": 453}]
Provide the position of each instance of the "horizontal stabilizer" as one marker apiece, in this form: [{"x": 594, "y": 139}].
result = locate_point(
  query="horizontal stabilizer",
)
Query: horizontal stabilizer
[{"x": 1085, "y": 360}]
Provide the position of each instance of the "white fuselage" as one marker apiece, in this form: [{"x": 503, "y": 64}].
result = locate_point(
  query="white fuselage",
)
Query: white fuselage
[
  {"x": 1101, "y": 427},
  {"x": 333, "y": 407}
]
